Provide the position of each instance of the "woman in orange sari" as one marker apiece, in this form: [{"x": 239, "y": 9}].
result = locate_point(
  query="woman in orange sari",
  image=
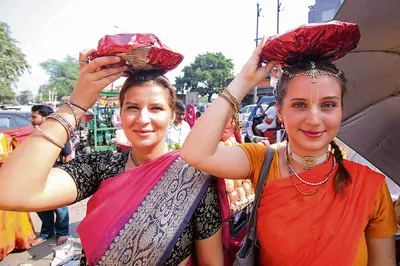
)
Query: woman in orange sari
[
  {"x": 316, "y": 208},
  {"x": 16, "y": 228}
]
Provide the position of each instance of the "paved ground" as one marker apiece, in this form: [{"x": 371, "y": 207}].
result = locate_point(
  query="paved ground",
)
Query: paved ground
[{"x": 42, "y": 255}]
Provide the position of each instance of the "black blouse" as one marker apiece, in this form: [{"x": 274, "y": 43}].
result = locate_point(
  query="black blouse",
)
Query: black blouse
[{"x": 88, "y": 171}]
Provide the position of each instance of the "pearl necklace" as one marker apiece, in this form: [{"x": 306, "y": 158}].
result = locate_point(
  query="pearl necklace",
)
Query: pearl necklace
[
  {"x": 308, "y": 162},
  {"x": 293, "y": 172},
  {"x": 310, "y": 183}
]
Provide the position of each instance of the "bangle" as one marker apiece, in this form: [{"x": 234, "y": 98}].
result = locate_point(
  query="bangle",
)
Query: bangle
[
  {"x": 232, "y": 104},
  {"x": 64, "y": 122},
  {"x": 48, "y": 137},
  {"x": 232, "y": 98},
  {"x": 83, "y": 109},
  {"x": 77, "y": 120},
  {"x": 235, "y": 113}
]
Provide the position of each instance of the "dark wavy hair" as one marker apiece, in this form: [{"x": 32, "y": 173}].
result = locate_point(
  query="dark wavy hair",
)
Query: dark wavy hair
[
  {"x": 147, "y": 77},
  {"x": 43, "y": 110},
  {"x": 343, "y": 177}
]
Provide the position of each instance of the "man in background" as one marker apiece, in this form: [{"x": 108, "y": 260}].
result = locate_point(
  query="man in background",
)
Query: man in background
[
  {"x": 179, "y": 129},
  {"x": 59, "y": 226},
  {"x": 270, "y": 119}
]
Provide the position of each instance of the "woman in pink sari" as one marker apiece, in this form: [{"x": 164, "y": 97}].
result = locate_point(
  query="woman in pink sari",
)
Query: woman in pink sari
[{"x": 148, "y": 206}]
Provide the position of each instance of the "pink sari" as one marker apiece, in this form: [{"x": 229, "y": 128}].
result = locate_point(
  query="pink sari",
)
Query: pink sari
[{"x": 137, "y": 216}]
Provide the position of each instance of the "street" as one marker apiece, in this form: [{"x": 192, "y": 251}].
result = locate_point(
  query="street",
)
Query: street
[{"x": 43, "y": 254}]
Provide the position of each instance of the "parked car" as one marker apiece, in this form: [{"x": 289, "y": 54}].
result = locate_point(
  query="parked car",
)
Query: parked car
[
  {"x": 17, "y": 124},
  {"x": 24, "y": 108}
]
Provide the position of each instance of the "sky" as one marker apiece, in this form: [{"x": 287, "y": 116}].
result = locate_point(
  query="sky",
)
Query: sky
[{"x": 53, "y": 29}]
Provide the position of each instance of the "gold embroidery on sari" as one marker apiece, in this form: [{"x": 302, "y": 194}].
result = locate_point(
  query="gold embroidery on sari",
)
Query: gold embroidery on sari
[{"x": 147, "y": 234}]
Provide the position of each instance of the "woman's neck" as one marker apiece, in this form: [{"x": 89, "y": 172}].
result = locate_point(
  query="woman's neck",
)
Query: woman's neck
[
  {"x": 302, "y": 153},
  {"x": 147, "y": 154}
]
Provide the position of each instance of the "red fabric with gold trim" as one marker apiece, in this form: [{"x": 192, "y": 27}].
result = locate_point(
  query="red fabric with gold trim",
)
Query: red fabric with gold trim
[
  {"x": 146, "y": 50},
  {"x": 315, "y": 41}
]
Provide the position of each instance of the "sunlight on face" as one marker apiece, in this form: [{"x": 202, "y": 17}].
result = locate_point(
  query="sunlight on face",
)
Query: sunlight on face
[
  {"x": 311, "y": 131},
  {"x": 145, "y": 115}
]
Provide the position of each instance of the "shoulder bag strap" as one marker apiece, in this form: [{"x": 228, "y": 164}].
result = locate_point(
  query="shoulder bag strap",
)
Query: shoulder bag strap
[{"x": 251, "y": 231}]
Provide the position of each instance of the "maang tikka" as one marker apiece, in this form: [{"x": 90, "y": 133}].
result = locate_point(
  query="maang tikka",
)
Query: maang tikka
[{"x": 314, "y": 73}]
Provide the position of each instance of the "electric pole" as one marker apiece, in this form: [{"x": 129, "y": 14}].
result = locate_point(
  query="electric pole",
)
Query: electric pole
[
  {"x": 255, "y": 98},
  {"x": 277, "y": 17}
]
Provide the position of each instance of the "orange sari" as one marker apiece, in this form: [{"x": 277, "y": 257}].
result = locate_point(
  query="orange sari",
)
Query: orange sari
[
  {"x": 322, "y": 229},
  {"x": 16, "y": 228},
  {"x": 16, "y": 232},
  {"x": 325, "y": 228}
]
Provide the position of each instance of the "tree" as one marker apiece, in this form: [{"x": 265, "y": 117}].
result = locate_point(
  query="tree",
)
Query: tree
[
  {"x": 7, "y": 96},
  {"x": 63, "y": 75},
  {"x": 206, "y": 75},
  {"x": 25, "y": 97},
  {"x": 13, "y": 64}
]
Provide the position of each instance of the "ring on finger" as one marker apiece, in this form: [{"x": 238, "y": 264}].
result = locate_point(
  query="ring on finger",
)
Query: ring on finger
[{"x": 84, "y": 62}]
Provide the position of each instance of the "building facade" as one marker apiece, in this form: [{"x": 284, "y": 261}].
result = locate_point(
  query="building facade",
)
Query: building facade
[{"x": 323, "y": 10}]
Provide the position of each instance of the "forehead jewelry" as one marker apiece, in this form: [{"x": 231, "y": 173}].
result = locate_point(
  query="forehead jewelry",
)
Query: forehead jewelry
[{"x": 313, "y": 73}]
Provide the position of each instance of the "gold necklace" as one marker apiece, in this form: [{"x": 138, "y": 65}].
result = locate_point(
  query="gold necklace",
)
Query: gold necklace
[
  {"x": 301, "y": 192},
  {"x": 294, "y": 182},
  {"x": 133, "y": 159},
  {"x": 308, "y": 162}
]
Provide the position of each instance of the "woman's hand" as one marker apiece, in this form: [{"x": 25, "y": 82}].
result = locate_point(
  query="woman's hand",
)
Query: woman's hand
[
  {"x": 253, "y": 72},
  {"x": 92, "y": 80}
]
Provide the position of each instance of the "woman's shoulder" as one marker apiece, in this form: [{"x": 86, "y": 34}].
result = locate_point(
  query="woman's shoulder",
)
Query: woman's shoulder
[
  {"x": 253, "y": 148},
  {"x": 361, "y": 171}
]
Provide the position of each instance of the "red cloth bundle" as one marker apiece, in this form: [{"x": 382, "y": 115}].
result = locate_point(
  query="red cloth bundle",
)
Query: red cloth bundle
[
  {"x": 316, "y": 41},
  {"x": 139, "y": 51}
]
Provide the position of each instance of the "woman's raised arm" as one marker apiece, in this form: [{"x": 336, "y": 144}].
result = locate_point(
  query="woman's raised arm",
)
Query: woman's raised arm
[
  {"x": 27, "y": 180},
  {"x": 201, "y": 147}
]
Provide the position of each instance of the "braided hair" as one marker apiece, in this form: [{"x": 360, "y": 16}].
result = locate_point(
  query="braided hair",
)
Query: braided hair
[{"x": 343, "y": 177}]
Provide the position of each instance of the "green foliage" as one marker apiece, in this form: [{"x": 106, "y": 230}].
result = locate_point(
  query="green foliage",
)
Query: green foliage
[
  {"x": 63, "y": 75},
  {"x": 206, "y": 75},
  {"x": 12, "y": 64},
  {"x": 25, "y": 97},
  {"x": 7, "y": 96}
]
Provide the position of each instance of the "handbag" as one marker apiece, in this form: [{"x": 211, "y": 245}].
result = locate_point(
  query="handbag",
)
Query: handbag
[{"x": 248, "y": 252}]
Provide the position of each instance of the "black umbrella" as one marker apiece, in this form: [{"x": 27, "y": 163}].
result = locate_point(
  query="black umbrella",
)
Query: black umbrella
[{"x": 371, "y": 124}]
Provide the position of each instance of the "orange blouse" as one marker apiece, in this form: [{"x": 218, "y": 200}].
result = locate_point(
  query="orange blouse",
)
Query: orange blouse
[{"x": 381, "y": 222}]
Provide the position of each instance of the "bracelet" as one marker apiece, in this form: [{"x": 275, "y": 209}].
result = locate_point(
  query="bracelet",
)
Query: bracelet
[
  {"x": 232, "y": 104},
  {"x": 64, "y": 122},
  {"x": 77, "y": 120},
  {"x": 235, "y": 113},
  {"x": 232, "y": 98},
  {"x": 48, "y": 137},
  {"x": 83, "y": 109}
]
